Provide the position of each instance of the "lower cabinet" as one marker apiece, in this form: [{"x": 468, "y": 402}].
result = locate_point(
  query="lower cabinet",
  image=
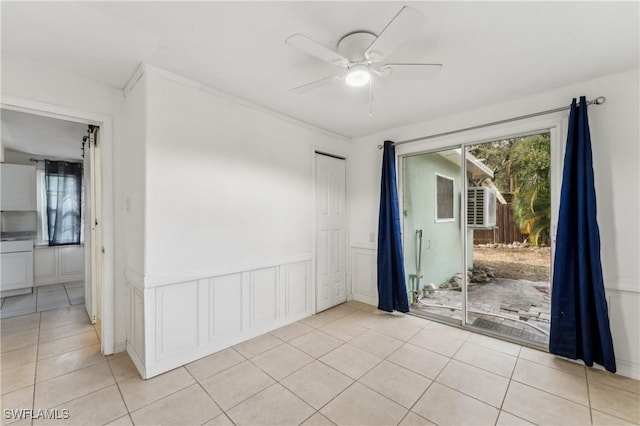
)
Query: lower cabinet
[
  {"x": 16, "y": 271},
  {"x": 55, "y": 265}
]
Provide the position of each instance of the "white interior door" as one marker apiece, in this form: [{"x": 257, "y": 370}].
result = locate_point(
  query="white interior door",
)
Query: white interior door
[
  {"x": 331, "y": 285},
  {"x": 92, "y": 241}
]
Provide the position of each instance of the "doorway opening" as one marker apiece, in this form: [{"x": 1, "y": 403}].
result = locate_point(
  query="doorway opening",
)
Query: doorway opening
[
  {"x": 477, "y": 236},
  {"x": 63, "y": 227}
]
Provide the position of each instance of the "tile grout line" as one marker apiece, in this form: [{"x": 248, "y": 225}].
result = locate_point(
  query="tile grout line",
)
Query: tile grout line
[
  {"x": 445, "y": 367},
  {"x": 550, "y": 393},
  {"x": 364, "y": 374},
  {"x": 124, "y": 401},
  {"x": 456, "y": 390},
  {"x": 508, "y": 386},
  {"x": 547, "y": 392},
  {"x": 67, "y": 294},
  {"x": 217, "y": 372},
  {"x": 586, "y": 379},
  {"x": 37, "y": 292},
  {"x": 511, "y": 379},
  {"x": 484, "y": 369},
  {"x": 68, "y": 372},
  {"x": 35, "y": 372},
  {"x": 210, "y": 397},
  {"x": 250, "y": 396},
  {"x": 82, "y": 396},
  {"x": 74, "y": 333},
  {"x": 418, "y": 400},
  {"x": 617, "y": 389},
  {"x": 146, "y": 380},
  {"x": 554, "y": 368},
  {"x": 315, "y": 359},
  {"x": 68, "y": 351},
  {"x": 430, "y": 384}
]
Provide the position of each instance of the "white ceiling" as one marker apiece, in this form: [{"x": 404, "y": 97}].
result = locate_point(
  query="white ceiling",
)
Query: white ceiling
[
  {"x": 491, "y": 51},
  {"x": 41, "y": 136}
]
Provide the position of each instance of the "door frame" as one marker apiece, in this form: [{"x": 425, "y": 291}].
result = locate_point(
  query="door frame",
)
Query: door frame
[
  {"x": 556, "y": 124},
  {"x": 106, "y": 198},
  {"x": 344, "y": 155}
]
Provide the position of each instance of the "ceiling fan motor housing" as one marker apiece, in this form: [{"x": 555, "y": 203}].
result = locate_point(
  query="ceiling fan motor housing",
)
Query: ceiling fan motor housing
[{"x": 352, "y": 46}]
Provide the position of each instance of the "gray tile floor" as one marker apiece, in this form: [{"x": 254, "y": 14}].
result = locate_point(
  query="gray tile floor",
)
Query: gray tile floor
[
  {"x": 350, "y": 365},
  {"x": 43, "y": 298}
]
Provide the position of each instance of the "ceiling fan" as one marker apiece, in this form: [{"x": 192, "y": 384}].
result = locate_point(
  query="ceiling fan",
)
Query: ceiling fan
[{"x": 362, "y": 54}]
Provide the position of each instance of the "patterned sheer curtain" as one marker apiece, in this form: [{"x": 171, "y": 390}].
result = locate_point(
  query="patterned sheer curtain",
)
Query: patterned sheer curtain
[{"x": 64, "y": 200}]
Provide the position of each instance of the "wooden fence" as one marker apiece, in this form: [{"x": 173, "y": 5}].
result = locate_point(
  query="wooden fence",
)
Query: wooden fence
[{"x": 506, "y": 230}]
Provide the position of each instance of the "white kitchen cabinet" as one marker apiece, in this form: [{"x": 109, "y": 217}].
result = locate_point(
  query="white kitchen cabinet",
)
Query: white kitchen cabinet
[
  {"x": 18, "y": 184},
  {"x": 55, "y": 265},
  {"x": 16, "y": 265}
]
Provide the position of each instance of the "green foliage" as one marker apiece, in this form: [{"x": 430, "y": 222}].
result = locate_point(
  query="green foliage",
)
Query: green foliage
[{"x": 522, "y": 167}]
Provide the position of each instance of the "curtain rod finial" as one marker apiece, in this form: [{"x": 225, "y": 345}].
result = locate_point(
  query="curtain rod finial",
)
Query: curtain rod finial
[{"x": 600, "y": 100}]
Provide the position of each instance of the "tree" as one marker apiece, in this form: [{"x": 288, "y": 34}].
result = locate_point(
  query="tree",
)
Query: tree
[{"x": 522, "y": 167}]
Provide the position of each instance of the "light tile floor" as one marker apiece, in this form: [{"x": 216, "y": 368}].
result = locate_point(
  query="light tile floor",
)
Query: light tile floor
[
  {"x": 43, "y": 298},
  {"x": 350, "y": 365}
]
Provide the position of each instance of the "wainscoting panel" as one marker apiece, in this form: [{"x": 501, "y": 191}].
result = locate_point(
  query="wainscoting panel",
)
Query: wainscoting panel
[
  {"x": 137, "y": 323},
  {"x": 263, "y": 292},
  {"x": 624, "y": 319},
  {"x": 189, "y": 320},
  {"x": 46, "y": 265},
  {"x": 363, "y": 275},
  {"x": 297, "y": 288},
  {"x": 176, "y": 319},
  {"x": 71, "y": 263},
  {"x": 55, "y": 265},
  {"x": 225, "y": 313}
]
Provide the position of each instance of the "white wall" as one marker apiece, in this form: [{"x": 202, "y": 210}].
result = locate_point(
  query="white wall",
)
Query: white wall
[
  {"x": 228, "y": 220},
  {"x": 616, "y": 152},
  {"x": 38, "y": 84},
  {"x": 227, "y": 185},
  {"x": 133, "y": 161}
]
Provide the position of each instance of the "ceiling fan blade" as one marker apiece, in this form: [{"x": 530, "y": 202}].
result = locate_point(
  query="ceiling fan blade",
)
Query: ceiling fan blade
[
  {"x": 315, "y": 85},
  {"x": 309, "y": 46},
  {"x": 405, "y": 23},
  {"x": 411, "y": 71}
]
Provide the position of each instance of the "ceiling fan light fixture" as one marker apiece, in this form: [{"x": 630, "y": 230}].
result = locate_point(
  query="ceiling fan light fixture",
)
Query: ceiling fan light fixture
[{"x": 358, "y": 76}]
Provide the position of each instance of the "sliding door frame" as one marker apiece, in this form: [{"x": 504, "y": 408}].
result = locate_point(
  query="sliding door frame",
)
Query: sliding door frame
[{"x": 555, "y": 124}]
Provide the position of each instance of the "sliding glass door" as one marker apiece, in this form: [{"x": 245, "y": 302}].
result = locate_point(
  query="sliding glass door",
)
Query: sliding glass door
[
  {"x": 477, "y": 235},
  {"x": 509, "y": 228}
]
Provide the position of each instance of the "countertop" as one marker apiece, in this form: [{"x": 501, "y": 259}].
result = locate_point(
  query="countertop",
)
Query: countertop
[{"x": 17, "y": 236}]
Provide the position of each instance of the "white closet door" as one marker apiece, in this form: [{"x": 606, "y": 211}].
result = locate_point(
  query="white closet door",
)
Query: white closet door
[{"x": 331, "y": 285}]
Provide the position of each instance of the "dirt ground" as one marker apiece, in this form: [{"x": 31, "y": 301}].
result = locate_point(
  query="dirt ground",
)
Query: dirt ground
[{"x": 522, "y": 263}]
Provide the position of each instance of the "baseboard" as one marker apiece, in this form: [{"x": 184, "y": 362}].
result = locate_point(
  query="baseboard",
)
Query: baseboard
[
  {"x": 624, "y": 368},
  {"x": 119, "y": 347},
  {"x": 373, "y": 301},
  {"x": 137, "y": 361}
]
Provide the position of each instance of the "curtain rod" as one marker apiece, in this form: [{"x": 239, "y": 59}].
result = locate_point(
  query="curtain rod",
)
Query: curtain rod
[
  {"x": 597, "y": 101},
  {"x": 35, "y": 160}
]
